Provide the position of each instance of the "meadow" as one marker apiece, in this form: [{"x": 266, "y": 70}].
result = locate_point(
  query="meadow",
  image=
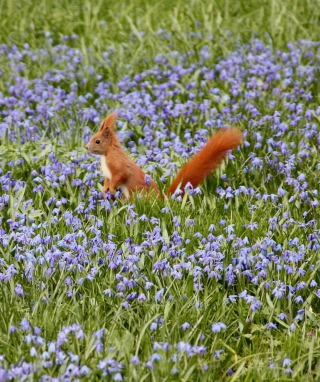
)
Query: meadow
[{"x": 221, "y": 284}]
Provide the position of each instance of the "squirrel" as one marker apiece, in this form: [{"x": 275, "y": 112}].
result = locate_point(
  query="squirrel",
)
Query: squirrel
[{"x": 120, "y": 171}]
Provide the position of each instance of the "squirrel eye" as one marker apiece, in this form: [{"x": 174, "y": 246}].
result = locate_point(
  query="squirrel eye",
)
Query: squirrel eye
[{"x": 97, "y": 141}]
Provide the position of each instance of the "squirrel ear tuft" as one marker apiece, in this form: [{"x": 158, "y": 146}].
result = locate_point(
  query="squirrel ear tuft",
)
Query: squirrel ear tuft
[{"x": 109, "y": 121}]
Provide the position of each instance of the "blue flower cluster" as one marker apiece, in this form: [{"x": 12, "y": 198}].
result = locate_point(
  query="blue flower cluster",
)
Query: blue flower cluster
[{"x": 58, "y": 235}]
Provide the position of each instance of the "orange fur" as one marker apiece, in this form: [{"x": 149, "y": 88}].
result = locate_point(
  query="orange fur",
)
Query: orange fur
[
  {"x": 121, "y": 171},
  {"x": 207, "y": 159}
]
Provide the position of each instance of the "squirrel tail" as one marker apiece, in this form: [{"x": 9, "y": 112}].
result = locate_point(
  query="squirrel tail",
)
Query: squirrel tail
[{"x": 207, "y": 159}]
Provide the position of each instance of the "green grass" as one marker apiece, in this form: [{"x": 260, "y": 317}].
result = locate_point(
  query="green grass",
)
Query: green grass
[
  {"x": 120, "y": 24},
  {"x": 248, "y": 346}
]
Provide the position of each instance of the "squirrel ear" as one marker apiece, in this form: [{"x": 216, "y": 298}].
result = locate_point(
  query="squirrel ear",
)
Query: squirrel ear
[
  {"x": 109, "y": 121},
  {"x": 106, "y": 132}
]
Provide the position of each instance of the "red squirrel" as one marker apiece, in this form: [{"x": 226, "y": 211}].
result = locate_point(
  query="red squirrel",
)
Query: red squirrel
[{"x": 120, "y": 171}]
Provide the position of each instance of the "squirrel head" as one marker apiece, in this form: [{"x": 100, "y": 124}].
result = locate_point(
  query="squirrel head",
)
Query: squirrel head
[{"x": 101, "y": 141}]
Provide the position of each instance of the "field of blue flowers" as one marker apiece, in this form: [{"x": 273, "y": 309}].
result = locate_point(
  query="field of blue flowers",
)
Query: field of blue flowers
[{"x": 221, "y": 284}]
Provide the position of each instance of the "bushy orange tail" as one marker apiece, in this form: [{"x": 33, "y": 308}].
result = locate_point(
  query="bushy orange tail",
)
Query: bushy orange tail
[{"x": 207, "y": 159}]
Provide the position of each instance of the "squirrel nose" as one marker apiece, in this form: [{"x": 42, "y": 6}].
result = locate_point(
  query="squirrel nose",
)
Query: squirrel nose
[{"x": 86, "y": 146}]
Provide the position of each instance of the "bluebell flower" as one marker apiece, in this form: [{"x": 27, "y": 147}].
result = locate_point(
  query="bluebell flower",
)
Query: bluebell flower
[
  {"x": 25, "y": 324},
  {"x": 218, "y": 353},
  {"x": 185, "y": 326},
  {"x": 19, "y": 290},
  {"x": 33, "y": 352},
  {"x": 135, "y": 360},
  {"x": 282, "y": 316},
  {"x": 117, "y": 377},
  {"x": 292, "y": 327},
  {"x": 154, "y": 326},
  {"x": 286, "y": 362},
  {"x": 217, "y": 327},
  {"x": 174, "y": 370},
  {"x": 271, "y": 325}
]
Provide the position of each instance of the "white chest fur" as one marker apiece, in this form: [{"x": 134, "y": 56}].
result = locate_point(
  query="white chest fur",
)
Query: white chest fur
[
  {"x": 107, "y": 174},
  {"x": 104, "y": 167}
]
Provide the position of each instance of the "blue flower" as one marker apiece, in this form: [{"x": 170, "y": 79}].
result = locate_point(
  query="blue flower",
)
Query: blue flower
[
  {"x": 24, "y": 324},
  {"x": 217, "y": 327},
  {"x": 185, "y": 326},
  {"x": 271, "y": 325},
  {"x": 135, "y": 360},
  {"x": 286, "y": 362}
]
